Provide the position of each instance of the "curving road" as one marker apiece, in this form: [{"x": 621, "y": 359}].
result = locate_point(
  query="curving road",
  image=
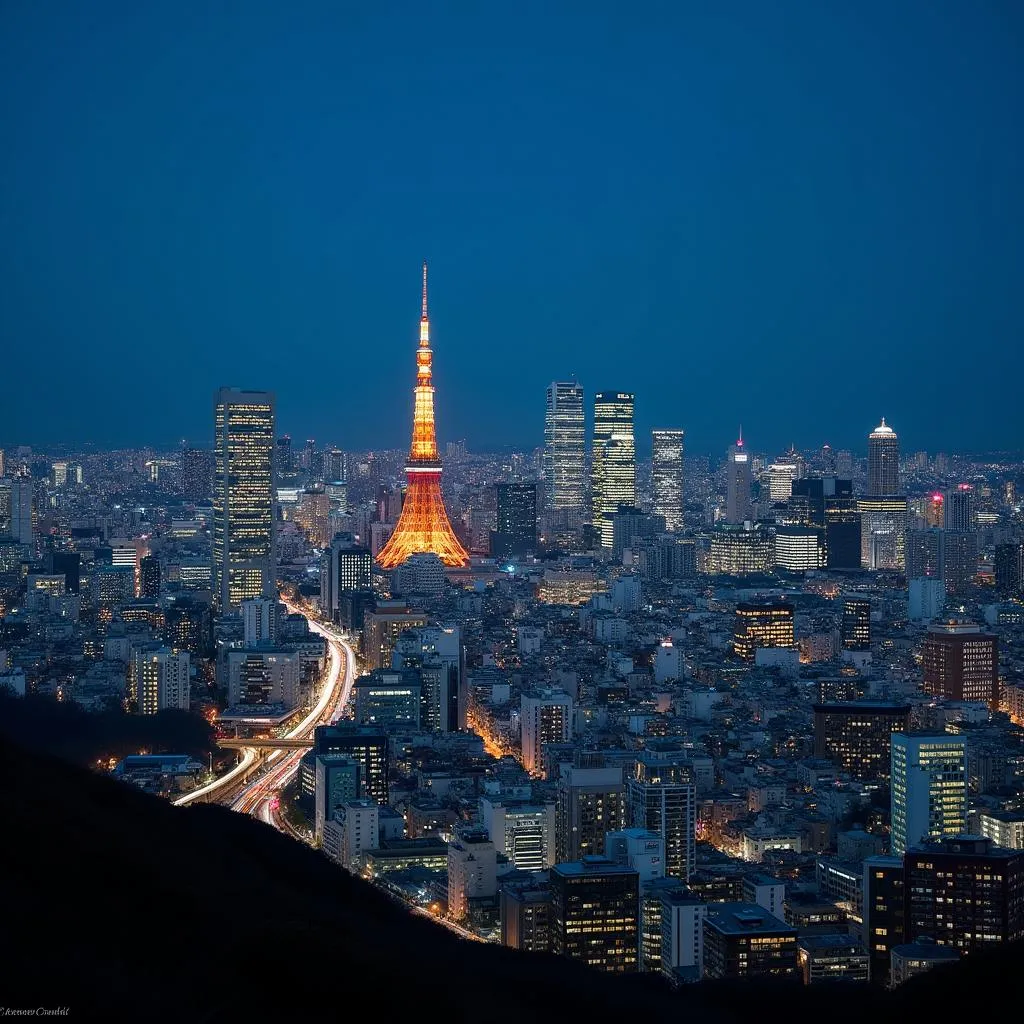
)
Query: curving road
[{"x": 332, "y": 701}]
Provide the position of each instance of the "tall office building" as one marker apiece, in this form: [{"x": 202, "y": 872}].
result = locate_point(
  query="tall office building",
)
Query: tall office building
[
  {"x": 244, "y": 549},
  {"x": 929, "y": 788},
  {"x": 964, "y": 892},
  {"x": 960, "y": 535},
  {"x": 613, "y": 459},
  {"x": 436, "y": 652},
  {"x": 857, "y": 735},
  {"x": 883, "y": 510},
  {"x": 197, "y": 472},
  {"x": 516, "y": 506},
  {"x": 737, "y": 484},
  {"x": 149, "y": 576},
  {"x": 827, "y": 503},
  {"x": 17, "y": 502},
  {"x": 667, "y": 477},
  {"x": 856, "y": 628},
  {"x": 768, "y": 624},
  {"x": 564, "y": 447},
  {"x": 661, "y": 798},
  {"x": 345, "y": 568},
  {"x": 883, "y": 461},
  {"x": 595, "y": 907},
  {"x": 961, "y": 662},
  {"x": 545, "y": 717},
  {"x": 367, "y": 746}
]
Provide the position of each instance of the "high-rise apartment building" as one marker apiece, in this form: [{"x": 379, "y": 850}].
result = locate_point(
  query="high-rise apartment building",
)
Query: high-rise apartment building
[
  {"x": 768, "y": 624},
  {"x": 737, "y": 484},
  {"x": 244, "y": 551},
  {"x": 964, "y": 892},
  {"x": 595, "y": 907},
  {"x": 564, "y": 447},
  {"x": 925, "y": 550},
  {"x": 883, "y": 461},
  {"x": 590, "y": 803},
  {"x": 613, "y": 459},
  {"x": 545, "y": 717},
  {"x": 857, "y": 735},
  {"x": 1009, "y": 568},
  {"x": 661, "y": 797},
  {"x": 523, "y": 830},
  {"x": 961, "y": 662},
  {"x": 928, "y": 788},
  {"x": 472, "y": 871},
  {"x": 667, "y": 477},
  {"x": 161, "y": 679},
  {"x": 437, "y": 653},
  {"x": 883, "y": 912}
]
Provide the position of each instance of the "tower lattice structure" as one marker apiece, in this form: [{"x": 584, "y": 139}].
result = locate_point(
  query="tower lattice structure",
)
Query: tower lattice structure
[{"x": 423, "y": 524}]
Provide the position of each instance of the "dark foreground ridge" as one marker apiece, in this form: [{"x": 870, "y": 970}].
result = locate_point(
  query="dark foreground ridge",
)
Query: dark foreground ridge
[{"x": 123, "y": 907}]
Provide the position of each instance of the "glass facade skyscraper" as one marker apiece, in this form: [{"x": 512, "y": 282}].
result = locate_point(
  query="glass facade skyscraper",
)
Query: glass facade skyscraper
[
  {"x": 244, "y": 555},
  {"x": 929, "y": 788},
  {"x": 563, "y": 446},
  {"x": 613, "y": 459},
  {"x": 667, "y": 476}
]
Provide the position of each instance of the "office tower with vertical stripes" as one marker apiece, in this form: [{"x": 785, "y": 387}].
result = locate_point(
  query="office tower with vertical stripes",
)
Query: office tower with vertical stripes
[
  {"x": 244, "y": 548},
  {"x": 667, "y": 477},
  {"x": 564, "y": 447},
  {"x": 613, "y": 460}
]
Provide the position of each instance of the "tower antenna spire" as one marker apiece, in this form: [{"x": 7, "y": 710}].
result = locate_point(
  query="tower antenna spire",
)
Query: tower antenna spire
[
  {"x": 424, "y": 317},
  {"x": 739, "y": 443}
]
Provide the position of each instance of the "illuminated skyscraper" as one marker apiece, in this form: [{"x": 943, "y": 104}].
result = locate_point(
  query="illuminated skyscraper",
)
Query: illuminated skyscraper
[
  {"x": 929, "y": 788},
  {"x": 667, "y": 476},
  {"x": 737, "y": 484},
  {"x": 883, "y": 460},
  {"x": 883, "y": 511},
  {"x": 423, "y": 524},
  {"x": 244, "y": 552},
  {"x": 613, "y": 459},
  {"x": 563, "y": 446}
]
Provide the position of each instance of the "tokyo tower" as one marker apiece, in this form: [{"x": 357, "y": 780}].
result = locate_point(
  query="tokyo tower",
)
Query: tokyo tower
[{"x": 423, "y": 524}]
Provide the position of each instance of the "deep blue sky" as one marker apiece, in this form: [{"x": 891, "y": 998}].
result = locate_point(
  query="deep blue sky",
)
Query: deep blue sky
[{"x": 800, "y": 215}]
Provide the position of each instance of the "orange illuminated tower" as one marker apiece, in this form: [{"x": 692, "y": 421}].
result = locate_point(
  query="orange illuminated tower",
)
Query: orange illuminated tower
[{"x": 423, "y": 524}]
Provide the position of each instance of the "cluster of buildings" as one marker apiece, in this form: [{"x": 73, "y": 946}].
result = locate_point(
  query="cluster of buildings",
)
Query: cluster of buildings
[{"x": 756, "y": 719}]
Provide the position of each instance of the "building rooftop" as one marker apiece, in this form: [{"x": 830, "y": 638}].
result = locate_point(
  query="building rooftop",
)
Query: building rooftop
[
  {"x": 592, "y": 866},
  {"x": 741, "y": 918}
]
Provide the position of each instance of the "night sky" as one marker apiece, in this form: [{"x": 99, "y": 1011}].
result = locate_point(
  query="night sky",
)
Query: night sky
[{"x": 802, "y": 216}]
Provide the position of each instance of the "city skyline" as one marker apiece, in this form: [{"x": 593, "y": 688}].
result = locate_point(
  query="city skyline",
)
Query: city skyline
[{"x": 784, "y": 229}]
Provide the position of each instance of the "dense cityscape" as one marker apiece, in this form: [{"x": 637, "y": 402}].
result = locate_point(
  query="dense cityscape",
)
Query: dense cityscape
[
  {"x": 512, "y": 513},
  {"x": 752, "y": 717}
]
